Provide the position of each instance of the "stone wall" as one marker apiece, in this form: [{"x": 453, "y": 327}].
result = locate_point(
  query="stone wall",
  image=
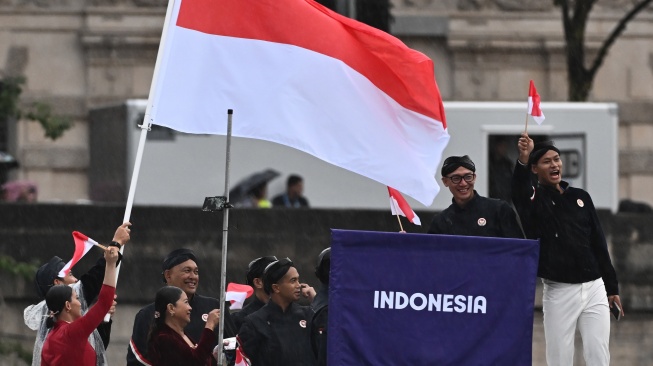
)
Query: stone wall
[{"x": 37, "y": 232}]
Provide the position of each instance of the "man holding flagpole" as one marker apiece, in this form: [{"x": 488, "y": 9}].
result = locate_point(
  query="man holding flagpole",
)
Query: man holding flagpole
[
  {"x": 471, "y": 214},
  {"x": 88, "y": 288},
  {"x": 580, "y": 283}
]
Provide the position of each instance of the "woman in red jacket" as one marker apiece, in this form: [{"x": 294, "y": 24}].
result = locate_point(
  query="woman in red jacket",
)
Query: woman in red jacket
[
  {"x": 67, "y": 343},
  {"x": 168, "y": 345}
]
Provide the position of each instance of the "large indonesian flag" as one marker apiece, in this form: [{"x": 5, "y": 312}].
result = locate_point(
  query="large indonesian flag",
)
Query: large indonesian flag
[
  {"x": 82, "y": 245},
  {"x": 301, "y": 75}
]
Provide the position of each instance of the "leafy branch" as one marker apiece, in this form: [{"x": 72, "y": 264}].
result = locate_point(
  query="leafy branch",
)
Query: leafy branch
[{"x": 10, "y": 90}]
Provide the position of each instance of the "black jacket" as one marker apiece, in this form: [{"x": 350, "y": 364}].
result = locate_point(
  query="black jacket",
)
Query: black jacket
[
  {"x": 201, "y": 305},
  {"x": 573, "y": 248},
  {"x": 272, "y": 337},
  {"x": 253, "y": 306},
  {"x": 319, "y": 324},
  {"x": 481, "y": 216}
]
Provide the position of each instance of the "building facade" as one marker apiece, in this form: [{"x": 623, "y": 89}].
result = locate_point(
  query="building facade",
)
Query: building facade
[{"x": 80, "y": 54}]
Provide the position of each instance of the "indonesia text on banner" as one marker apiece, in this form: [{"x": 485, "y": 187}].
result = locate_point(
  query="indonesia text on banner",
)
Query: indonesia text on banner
[
  {"x": 430, "y": 299},
  {"x": 300, "y": 75}
]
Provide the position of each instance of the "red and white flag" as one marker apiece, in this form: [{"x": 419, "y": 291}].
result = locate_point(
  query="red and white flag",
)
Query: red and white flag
[
  {"x": 82, "y": 245},
  {"x": 237, "y": 293},
  {"x": 399, "y": 206},
  {"x": 534, "y": 104},
  {"x": 298, "y": 74},
  {"x": 241, "y": 360}
]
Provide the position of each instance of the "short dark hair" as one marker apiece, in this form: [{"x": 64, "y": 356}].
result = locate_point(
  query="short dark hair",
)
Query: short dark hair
[
  {"x": 275, "y": 272},
  {"x": 256, "y": 267},
  {"x": 323, "y": 267},
  {"x": 293, "y": 179}
]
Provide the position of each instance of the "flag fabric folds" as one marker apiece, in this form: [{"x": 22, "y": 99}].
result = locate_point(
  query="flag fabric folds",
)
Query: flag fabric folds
[
  {"x": 82, "y": 245},
  {"x": 298, "y": 74},
  {"x": 421, "y": 299},
  {"x": 399, "y": 206},
  {"x": 237, "y": 293},
  {"x": 534, "y": 108}
]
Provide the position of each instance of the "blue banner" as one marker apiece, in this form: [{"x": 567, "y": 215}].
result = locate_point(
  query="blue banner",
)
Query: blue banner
[{"x": 418, "y": 299}]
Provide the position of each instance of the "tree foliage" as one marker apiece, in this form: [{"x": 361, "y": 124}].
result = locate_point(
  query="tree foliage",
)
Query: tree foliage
[
  {"x": 575, "y": 14},
  {"x": 10, "y": 90}
]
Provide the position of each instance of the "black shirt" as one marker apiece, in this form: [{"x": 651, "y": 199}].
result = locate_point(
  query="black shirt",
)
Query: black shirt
[
  {"x": 253, "y": 306},
  {"x": 201, "y": 306},
  {"x": 91, "y": 285},
  {"x": 319, "y": 324},
  {"x": 573, "y": 248},
  {"x": 481, "y": 216},
  {"x": 271, "y": 336},
  {"x": 283, "y": 200}
]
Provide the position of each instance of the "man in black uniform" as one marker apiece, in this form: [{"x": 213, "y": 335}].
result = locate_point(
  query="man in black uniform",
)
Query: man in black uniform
[
  {"x": 254, "y": 278},
  {"x": 471, "y": 214},
  {"x": 180, "y": 270},
  {"x": 279, "y": 333},
  {"x": 580, "y": 283},
  {"x": 320, "y": 306}
]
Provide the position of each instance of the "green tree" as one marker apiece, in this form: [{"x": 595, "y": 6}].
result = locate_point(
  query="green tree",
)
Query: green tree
[
  {"x": 10, "y": 90},
  {"x": 575, "y": 15}
]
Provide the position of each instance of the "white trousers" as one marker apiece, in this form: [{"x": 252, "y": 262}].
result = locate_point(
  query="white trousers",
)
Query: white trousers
[{"x": 566, "y": 306}]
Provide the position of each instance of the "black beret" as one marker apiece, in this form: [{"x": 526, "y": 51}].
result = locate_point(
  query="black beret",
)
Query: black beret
[
  {"x": 46, "y": 274},
  {"x": 539, "y": 150},
  {"x": 178, "y": 256},
  {"x": 454, "y": 162},
  {"x": 274, "y": 272},
  {"x": 256, "y": 267}
]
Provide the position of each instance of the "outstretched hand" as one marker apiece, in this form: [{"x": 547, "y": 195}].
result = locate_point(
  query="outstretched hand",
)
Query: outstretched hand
[
  {"x": 111, "y": 256},
  {"x": 213, "y": 320},
  {"x": 524, "y": 146},
  {"x": 122, "y": 233}
]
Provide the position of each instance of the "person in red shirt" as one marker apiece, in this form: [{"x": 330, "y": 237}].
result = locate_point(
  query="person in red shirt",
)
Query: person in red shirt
[
  {"x": 167, "y": 342},
  {"x": 67, "y": 343}
]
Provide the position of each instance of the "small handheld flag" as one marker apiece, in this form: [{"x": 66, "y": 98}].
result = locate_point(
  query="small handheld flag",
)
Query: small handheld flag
[
  {"x": 534, "y": 108},
  {"x": 399, "y": 206},
  {"x": 237, "y": 293},
  {"x": 82, "y": 245}
]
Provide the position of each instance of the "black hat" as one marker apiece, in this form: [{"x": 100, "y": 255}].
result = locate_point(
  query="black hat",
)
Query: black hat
[
  {"x": 323, "y": 266},
  {"x": 454, "y": 162},
  {"x": 256, "y": 267},
  {"x": 274, "y": 272},
  {"x": 46, "y": 274},
  {"x": 539, "y": 150},
  {"x": 176, "y": 257}
]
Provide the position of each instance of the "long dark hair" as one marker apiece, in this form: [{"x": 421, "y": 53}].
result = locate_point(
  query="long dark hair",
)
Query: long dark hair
[
  {"x": 56, "y": 299},
  {"x": 166, "y": 295}
]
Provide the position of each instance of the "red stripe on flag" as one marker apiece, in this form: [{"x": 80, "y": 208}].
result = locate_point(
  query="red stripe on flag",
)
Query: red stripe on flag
[{"x": 406, "y": 75}]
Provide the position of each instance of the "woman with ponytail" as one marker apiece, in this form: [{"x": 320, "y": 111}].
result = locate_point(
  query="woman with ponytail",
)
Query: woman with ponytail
[
  {"x": 167, "y": 342},
  {"x": 67, "y": 343}
]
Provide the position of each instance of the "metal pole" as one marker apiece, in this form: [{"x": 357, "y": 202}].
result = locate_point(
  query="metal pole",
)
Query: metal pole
[
  {"x": 144, "y": 128},
  {"x": 225, "y": 235}
]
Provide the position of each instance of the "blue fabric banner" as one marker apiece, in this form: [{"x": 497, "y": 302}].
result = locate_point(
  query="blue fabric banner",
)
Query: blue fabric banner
[{"x": 418, "y": 299}]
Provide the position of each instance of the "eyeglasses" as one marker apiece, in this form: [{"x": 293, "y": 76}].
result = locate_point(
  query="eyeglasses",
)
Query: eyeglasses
[{"x": 456, "y": 179}]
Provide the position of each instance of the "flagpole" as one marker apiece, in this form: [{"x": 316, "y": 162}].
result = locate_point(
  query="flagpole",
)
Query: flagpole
[
  {"x": 526, "y": 123},
  {"x": 225, "y": 235},
  {"x": 145, "y": 126}
]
